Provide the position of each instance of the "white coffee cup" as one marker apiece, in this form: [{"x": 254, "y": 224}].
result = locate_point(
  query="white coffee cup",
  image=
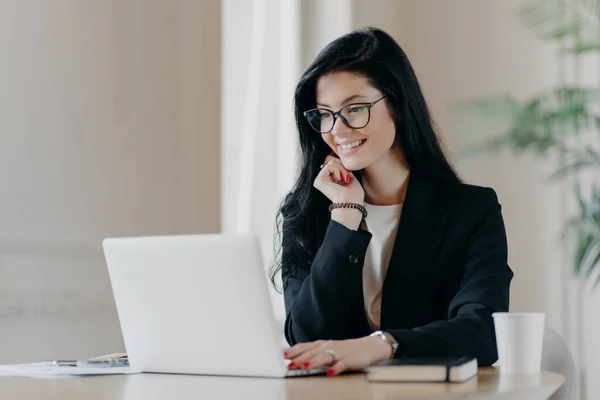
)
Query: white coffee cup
[{"x": 519, "y": 337}]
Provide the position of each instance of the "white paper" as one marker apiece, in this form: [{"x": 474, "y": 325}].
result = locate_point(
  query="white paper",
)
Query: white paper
[{"x": 48, "y": 370}]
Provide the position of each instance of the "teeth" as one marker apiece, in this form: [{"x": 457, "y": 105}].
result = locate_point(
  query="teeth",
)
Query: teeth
[{"x": 350, "y": 145}]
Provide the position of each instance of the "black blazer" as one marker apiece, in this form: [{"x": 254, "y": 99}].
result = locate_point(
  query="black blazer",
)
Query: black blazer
[{"x": 448, "y": 273}]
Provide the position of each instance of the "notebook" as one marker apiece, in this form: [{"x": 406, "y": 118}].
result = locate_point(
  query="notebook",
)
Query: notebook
[{"x": 423, "y": 370}]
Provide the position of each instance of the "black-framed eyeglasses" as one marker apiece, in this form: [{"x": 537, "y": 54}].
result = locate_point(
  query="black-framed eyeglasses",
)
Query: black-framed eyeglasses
[{"x": 355, "y": 116}]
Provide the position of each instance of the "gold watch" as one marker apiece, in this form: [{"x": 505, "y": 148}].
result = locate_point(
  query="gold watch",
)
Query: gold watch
[{"x": 388, "y": 338}]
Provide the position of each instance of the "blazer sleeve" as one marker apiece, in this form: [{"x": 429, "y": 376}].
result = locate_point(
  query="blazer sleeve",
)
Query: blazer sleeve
[
  {"x": 484, "y": 289},
  {"x": 318, "y": 299}
]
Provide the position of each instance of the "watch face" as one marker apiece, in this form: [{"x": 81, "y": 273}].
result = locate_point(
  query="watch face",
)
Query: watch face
[{"x": 390, "y": 338}]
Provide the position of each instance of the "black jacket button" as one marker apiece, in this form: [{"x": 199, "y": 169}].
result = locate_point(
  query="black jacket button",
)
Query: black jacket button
[{"x": 353, "y": 259}]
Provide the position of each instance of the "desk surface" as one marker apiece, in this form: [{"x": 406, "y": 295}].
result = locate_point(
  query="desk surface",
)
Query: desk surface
[{"x": 488, "y": 385}]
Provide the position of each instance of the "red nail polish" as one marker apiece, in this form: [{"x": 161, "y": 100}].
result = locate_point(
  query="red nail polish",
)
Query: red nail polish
[
  {"x": 330, "y": 372},
  {"x": 305, "y": 364},
  {"x": 348, "y": 179},
  {"x": 292, "y": 365},
  {"x": 285, "y": 353}
]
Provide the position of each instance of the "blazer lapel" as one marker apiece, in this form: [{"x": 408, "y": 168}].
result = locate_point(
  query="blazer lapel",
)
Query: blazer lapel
[{"x": 418, "y": 238}]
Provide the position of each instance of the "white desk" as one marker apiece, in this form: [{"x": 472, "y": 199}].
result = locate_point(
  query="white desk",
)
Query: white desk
[{"x": 488, "y": 385}]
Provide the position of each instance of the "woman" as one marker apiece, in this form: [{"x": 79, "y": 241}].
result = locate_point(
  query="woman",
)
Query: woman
[{"x": 385, "y": 253}]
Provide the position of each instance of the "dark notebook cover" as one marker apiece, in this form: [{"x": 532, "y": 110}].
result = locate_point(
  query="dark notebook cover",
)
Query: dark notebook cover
[
  {"x": 424, "y": 369},
  {"x": 446, "y": 362}
]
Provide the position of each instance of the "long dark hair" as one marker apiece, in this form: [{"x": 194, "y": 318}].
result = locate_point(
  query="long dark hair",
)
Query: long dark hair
[{"x": 375, "y": 55}]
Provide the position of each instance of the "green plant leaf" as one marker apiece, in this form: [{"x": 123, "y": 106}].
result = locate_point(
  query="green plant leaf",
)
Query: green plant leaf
[
  {"x": 539, "y": 124},
  {"x": 586, "y": 231},
  {"x": 577, "y": 161},
  {"x": 477, "y": 116},
  {"x": 582, "y": 48},
  {"x": 595, "y": 261},
  {"x": 491, "y": 145},
  {"x": 582, "y": 247},
  {"x": 557, "y": 20}
]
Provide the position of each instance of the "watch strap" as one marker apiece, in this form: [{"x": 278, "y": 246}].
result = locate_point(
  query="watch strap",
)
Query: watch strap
[{"x": 388, "y": 338}]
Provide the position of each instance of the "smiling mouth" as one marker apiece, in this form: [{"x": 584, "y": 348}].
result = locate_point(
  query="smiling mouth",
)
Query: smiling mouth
[{"x": 352, "y": 145}]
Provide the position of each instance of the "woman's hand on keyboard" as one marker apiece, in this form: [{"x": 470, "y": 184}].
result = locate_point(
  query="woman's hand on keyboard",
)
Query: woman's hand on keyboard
[{"x": 340, "y": 355}]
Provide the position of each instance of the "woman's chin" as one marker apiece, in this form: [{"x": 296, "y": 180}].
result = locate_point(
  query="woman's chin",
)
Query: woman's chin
[{"x": 352, "y": 163}]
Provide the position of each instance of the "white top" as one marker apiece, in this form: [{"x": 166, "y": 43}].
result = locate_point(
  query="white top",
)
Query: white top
[{"x": 382, "y": 223}]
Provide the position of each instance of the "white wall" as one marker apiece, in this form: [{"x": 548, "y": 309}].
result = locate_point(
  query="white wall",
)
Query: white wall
[
  {"x": 109, "y": 125},
  {"x": 322, "y": 22}
]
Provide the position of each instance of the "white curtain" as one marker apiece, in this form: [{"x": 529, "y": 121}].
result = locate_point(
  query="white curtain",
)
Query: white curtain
[{"x": 266, "y": 45}]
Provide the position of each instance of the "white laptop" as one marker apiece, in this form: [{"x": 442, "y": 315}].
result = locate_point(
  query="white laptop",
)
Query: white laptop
[{"x": 196, "y": 304}]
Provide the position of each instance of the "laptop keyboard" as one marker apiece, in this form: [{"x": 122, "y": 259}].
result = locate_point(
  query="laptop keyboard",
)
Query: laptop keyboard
[{"x": 305, "y": 372}]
